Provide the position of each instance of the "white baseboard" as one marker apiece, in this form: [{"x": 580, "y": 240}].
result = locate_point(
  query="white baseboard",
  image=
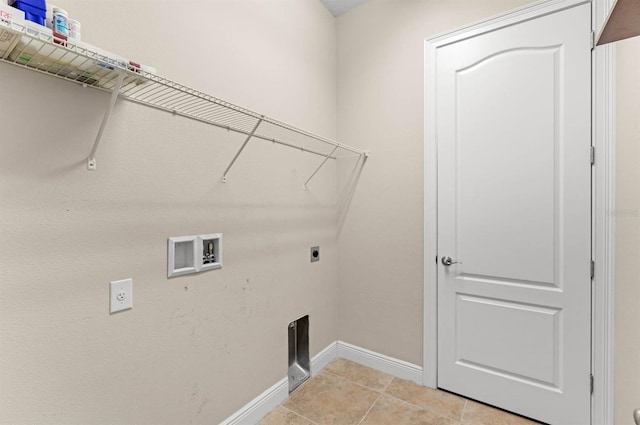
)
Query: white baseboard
[
  {"x": 389, "y": 365},
  {"x": 259, "y": 407},
  {"x": 323, "y": 358}
]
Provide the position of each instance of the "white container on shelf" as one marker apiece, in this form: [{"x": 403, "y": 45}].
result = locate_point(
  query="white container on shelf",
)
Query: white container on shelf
[
  {"x": 48, "y": 22},
  {"x": 8, "y": 40},
  {"x": 74, "y": 29},
  {"x": 9, "y": 13},
  {"x": 148, "y": 69}
]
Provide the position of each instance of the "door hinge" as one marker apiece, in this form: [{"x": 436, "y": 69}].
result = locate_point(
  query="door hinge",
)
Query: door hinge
[
  {"x": 591, "y": 382},
  {"x": 593, "y": 155},
  {"x": 593, "y": 269},
  {"x": 593, "y": 40},
  {"x": 436, "y": 259}
]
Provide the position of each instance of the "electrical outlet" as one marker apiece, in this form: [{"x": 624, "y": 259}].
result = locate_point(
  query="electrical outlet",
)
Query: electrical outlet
[
  {"x": 121, "y": 295},
  {"x": 315, "y": 254}
]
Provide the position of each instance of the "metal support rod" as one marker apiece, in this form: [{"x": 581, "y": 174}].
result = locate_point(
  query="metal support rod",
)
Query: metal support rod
[
  {"x": 321, "y": 165},
  {"x": 91, "y": 163},
  {"x": 249, "y": 136}
]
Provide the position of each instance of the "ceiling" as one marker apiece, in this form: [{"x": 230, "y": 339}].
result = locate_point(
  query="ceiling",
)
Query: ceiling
[{"x": 338, "y": 7}]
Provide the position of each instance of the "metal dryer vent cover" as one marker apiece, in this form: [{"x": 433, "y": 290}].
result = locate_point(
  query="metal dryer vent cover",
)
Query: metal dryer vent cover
[{"x": 299, "y": 363}]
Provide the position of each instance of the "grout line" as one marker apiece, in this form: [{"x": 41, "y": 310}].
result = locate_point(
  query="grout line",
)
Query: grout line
[
  {"x": 355, "y": 383},
  {"x": 366, "y": 414},
  {"x": 426, "y": 408},
  {"x": 387, "y": 386},
  {"x": 440, "y": 415},
  {"x": 366, "y": 367},
  {"x": 298, "y": 414},
  {"x": 464, "y": 410}
]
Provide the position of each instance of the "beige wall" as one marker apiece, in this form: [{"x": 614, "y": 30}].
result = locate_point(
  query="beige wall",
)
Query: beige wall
[
  {"x": 194, "y": 349},
  {"x": 380, "y": 107},
  {"x": 627, "y": 363}
]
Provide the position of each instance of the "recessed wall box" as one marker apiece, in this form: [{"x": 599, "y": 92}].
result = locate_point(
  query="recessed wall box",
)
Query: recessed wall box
[
  {"x": 194, "y": 254},
  {"x": 183, "y": 256},
  {"x": 299, "y": 363},
  {"x": 210, "y": 251}
]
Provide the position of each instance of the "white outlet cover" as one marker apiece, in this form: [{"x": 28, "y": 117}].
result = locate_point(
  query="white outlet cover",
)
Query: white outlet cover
[{"x": 121, "y": 292}]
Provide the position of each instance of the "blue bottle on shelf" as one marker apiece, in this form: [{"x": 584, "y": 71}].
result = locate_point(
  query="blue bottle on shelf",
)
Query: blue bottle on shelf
[{"x": 34, "y": 10}]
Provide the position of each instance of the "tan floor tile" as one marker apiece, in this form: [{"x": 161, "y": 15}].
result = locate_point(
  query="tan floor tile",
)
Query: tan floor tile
[
  {"x": 389, "y": 410},
  {"x": 359, "y": 374},
  {"x": 480, "y": 414},
  {"x": 331, "y": 400},
  {"x": 282, "y": 416},
  {"x": 440, "y": 402}
]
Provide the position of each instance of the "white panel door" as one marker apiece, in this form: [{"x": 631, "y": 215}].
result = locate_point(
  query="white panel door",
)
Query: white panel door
[{"x": 514, "y": 212}]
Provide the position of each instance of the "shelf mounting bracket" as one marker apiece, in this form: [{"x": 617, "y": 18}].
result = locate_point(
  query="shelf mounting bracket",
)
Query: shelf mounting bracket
[
  {"x": 91, "y": 162},
  {"x": 224, "y": 176},
  {"x": 326, "y": 158}
]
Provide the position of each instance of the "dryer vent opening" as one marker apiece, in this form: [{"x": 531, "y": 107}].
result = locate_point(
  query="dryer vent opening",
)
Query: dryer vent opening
[{"x": 299, "y": 364}]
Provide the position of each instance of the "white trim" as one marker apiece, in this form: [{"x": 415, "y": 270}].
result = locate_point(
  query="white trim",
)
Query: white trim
[
  {"x": 389, "y": 365},
  {"x": 604, "y": 126},
  {"x": 512, "y": 17},
  {"x": 259, "y": 407},
  {"x": 430, "y": 292},
  {"x": 323, "y": 358},
  {"x": 604, "y": 202}
]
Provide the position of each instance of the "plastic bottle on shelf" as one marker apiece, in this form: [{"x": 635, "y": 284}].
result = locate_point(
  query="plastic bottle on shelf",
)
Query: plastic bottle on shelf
[
  {"x": 74, "y": 29},
  {"x": 49, "y": 17},
  {"x": 60, "y": 26}
]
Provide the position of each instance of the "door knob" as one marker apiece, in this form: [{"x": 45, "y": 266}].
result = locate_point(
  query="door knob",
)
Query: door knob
[
  {"x": 636, "y": 416},
  {"x": 447, "y": 261}
]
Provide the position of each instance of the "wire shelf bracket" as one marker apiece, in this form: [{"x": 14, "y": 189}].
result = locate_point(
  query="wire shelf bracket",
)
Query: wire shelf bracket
[
  {"x": 91, "y": 161},
  {"x": 319, "y": 167},
  {"x": 249, "y": 136}
]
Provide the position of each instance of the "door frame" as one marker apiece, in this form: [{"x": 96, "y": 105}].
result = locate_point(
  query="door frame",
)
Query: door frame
[{"x": 603, "y": 198}]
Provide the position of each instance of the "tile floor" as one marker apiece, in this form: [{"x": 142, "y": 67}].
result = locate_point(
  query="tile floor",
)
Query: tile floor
[{"x": 346, "y": 393}]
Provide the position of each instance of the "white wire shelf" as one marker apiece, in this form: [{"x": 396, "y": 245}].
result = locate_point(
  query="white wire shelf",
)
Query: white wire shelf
[{"x": 38, "y": 50}]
